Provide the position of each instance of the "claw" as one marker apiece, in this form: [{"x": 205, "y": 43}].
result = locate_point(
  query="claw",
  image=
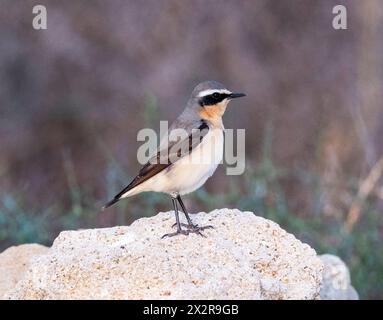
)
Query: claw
[
  {"x": 193, "y": 226},
  {"x": 190, "y": 229},
  {"x": 183, "y": 225},
  {"x": 184, "y": 232},
  {"x": 205, "y": 227}
]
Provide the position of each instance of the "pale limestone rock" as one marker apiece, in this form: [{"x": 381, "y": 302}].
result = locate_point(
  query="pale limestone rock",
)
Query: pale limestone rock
[
  {"x": 244, "y": 257},
  {"x": 14, "y": 262},
  {"x": 336, "y": 280}
]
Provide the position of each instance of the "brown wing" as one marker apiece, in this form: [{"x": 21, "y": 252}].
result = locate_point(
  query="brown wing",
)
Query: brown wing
[{"x": 162, "y": 159}]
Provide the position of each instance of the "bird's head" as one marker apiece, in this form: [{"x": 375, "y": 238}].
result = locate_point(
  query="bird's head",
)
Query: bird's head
[{"x": 210, "y": 99}]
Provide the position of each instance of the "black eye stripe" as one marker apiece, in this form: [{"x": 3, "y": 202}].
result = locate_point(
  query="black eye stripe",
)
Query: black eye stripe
[{"x": 212, "y": 99}]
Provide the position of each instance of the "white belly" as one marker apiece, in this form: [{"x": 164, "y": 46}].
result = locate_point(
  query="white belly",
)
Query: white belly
[{"x": 190, "y": 172}]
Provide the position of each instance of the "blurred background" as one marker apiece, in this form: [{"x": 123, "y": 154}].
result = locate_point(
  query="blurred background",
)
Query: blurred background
[{"x": 73, "y": 97}]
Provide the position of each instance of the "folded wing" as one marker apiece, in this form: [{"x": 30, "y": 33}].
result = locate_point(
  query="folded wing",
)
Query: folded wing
[{"x": 165, "y": 157}]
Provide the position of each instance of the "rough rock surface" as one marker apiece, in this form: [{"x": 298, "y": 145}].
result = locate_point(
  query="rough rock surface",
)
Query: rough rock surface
[
  {"x": 14, "y": 262},
  {"x": 336, "y": 280},
  {"x": 244, "y": 257}
]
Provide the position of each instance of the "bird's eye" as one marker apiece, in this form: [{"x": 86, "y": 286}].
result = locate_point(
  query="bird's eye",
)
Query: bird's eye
[{"x": 215, "y": 95}]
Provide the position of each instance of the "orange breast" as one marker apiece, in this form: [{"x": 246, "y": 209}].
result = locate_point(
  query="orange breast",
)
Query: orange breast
[{"x": 213, "y": 113}]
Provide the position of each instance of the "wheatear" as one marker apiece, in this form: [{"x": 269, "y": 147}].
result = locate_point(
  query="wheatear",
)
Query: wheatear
[{"x": 183, "y": 163}]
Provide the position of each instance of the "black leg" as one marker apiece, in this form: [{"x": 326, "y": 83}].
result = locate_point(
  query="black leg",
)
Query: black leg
[
  {"x": 177, "y": 214},
  {"x": 191, "y": 226},
  {"x": 178, "y": 224},
  {"x": 185, "y": 212}
]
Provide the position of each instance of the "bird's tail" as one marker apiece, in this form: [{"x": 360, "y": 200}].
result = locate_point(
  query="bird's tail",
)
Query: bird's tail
[
  {"x": 110, "y": 203},
  {"x": 126, "y": 192}
]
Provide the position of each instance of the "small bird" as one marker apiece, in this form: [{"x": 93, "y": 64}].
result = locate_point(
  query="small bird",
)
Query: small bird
[{"x": 183, "y": 162}]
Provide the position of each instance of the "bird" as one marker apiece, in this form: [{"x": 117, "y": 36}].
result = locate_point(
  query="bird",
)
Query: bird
[{"x": 183, "y": 162}]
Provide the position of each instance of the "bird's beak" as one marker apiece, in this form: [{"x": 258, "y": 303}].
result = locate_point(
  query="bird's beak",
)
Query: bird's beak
[{"x": 236, "y": 95}]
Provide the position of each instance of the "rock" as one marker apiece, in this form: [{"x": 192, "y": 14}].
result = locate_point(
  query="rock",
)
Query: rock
[
  {"x": 336, "y": 280},
  {"x": 244, "y": 257},
  {"x": 14, "y": 262}
]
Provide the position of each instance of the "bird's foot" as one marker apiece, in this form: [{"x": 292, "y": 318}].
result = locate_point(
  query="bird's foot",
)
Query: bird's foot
[
  {"x": 184, "y": 232},
  {"x": 191, "y": 228},
  {"x": 197, "y": 229},
  {"x": 194, "y": 226},
  {"x": 187, "y": 226}
]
